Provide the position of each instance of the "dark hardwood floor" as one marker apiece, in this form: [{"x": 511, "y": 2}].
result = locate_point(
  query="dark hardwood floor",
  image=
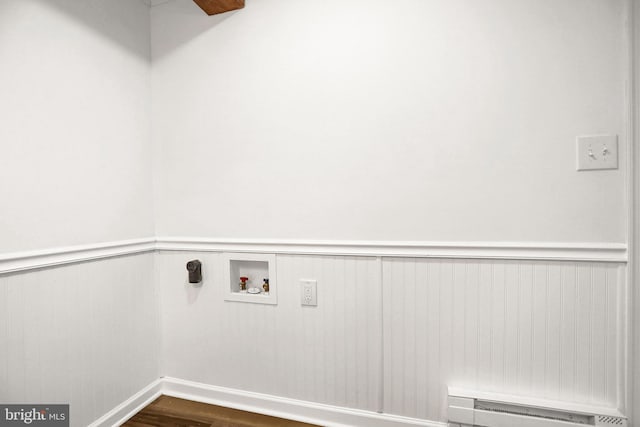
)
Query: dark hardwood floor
[{"x": 168, "y": 411}]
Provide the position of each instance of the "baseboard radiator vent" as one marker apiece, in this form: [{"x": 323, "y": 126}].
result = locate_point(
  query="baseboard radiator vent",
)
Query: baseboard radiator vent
[{"x": 482, "y": 409}]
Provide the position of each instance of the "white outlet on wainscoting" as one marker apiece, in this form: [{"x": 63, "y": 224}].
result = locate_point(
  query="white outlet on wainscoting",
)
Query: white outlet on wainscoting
[
  {"x": 308, "y": 292},
  {"x": 596, "y": 152}
]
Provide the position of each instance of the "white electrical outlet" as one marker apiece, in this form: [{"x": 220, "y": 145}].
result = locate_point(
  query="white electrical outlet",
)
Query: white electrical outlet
[
  {"x": 308, "y": 292},
  {"x": 597, "y": 152}
]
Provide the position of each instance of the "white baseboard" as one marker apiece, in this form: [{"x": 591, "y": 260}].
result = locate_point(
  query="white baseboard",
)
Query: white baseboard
[
  {"x": 121, "y": 413},
  {"x": 298, "y": 410}
]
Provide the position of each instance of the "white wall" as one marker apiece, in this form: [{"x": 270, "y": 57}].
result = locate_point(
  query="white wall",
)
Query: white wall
[
  {"x": 75, "y": 168},
  {"x": 445, "y": 120},
  {"x": 75, "y": 165},
  {"x": 634, "y": 219},
  {"x": 439, "y": 120},
  {"x": 429, "y": 121}
]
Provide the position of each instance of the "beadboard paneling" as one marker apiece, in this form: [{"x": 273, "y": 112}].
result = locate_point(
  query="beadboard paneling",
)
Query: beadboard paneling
[
  {"x": 85, "y": 334},
  {"x": 546, "y": 329},
  {"x": 543, "y": 329},
  {"x": 327, "y": 354}
]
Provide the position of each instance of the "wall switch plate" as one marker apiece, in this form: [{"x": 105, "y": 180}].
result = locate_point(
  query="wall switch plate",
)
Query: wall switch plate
[
  {"x": 308, "y": 292},
  {"x": 597, "y": 152}
]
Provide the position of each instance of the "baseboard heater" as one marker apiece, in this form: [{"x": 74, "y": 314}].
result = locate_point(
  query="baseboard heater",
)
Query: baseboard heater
[{"x": 483, "y": 409}]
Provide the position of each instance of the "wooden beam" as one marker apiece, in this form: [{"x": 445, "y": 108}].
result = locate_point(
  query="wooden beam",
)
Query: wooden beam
[{"x": 213, "y": 7}]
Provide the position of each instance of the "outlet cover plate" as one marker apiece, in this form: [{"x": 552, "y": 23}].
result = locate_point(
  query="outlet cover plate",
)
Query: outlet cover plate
[
  {"x": 596, "y": 152},
  {"x": 308, "y": 292}
]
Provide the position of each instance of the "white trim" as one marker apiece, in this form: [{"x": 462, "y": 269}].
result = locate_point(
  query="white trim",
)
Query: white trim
[
  {"x": 20, "y": 261},
  {"x": 121, "y": 413},
  {"x": 594, "y": 252},
  {"x": 603, "y": 252},
  {"x": 303, "y": 411},
  {"x": 633, "y": 182},
  {"x": 298, "y": 410}
]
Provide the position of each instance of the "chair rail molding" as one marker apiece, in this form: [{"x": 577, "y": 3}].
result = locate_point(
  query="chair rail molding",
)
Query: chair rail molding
[
  {"x": 21, "y": 261},
  {"x": 554, "y": 251},
  {"x": 591, "y": 252}
]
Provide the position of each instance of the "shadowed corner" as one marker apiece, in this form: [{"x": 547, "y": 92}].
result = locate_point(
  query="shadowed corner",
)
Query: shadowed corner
[
  {"x": 184, "y": 22},
  {"x": 115, "y": 22},
  {"x": 108, "y": 18}
]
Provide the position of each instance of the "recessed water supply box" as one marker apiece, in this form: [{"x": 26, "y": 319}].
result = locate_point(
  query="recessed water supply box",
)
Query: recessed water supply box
[{"x": 250, "y": 277}]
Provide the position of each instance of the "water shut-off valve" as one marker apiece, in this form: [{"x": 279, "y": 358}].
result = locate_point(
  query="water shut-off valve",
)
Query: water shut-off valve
[{"x": 195, "y": 271}]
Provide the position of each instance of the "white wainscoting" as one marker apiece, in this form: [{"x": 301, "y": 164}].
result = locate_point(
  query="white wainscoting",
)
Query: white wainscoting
[
  {"x": 389, "y": 334},
  {"x": 327, "y": 354},
  {"x": 409, "y": 327},
  {"x": 542, "y": 329},
  {"x": 85, "y": 334}
]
